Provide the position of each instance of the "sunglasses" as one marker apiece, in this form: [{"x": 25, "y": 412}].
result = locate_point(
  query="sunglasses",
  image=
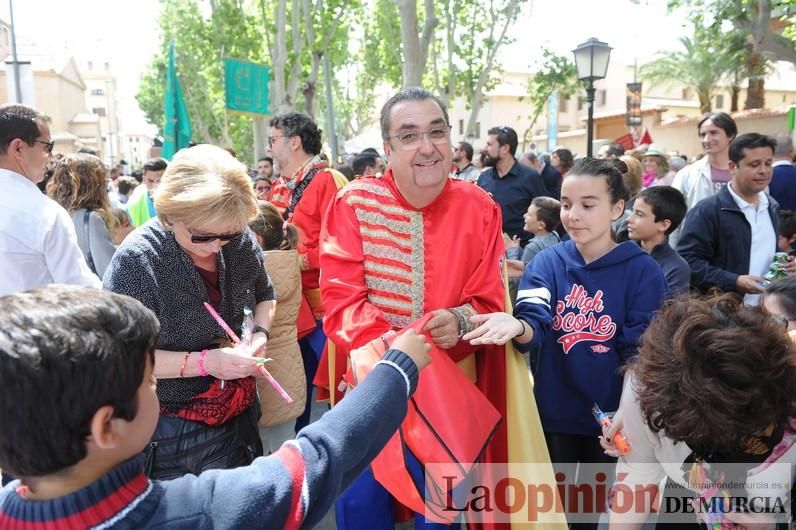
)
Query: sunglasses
[
  {"x": 49, "y": 145},
  {"x": 210, "y": 238}
]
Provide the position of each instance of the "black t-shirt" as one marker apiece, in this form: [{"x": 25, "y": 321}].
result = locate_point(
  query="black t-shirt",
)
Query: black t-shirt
[{"x": 514, "y": 193}]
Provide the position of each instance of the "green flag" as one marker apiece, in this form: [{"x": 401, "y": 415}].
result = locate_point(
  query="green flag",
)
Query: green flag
[
  {"x": 246, "y": 86},
  {"x": 177, "y": 127},
  {"x": 792, "y": 118}
]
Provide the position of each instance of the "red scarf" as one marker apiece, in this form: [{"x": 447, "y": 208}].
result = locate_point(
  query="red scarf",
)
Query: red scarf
[{"x": 218, "y": 405}]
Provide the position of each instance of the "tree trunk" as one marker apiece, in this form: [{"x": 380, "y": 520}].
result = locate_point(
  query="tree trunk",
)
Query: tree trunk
[
  {"x": 297, "y": 50},
  {"x": 756, "y": 91},
  {"x": 309, "y": 99},
  {"x": 415, "y": 46},
  {"x": 477, "y": 100},
  {"x": 412, "y": 68},
  {"x": 278, "y": 53},
  {"x": 309, "y": 86},
  {"x": 765, "y": 38},
  {"x": 448, "y": 92},
  {"x": 318, "y": 50},
  {"x": 705, "y": 103},
  {"x": 260, "y": 135},
  {"x": 735, "y": 94},
  {"x": 528, "y": 134},
  {"x": 756, "y": 94}
]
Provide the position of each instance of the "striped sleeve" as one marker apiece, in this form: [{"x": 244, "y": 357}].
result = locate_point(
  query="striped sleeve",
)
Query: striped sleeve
[
  {"x": 535, "y": 300},
  {"x": 536, "y": 295},
  {"x": 290, "y": 456}
]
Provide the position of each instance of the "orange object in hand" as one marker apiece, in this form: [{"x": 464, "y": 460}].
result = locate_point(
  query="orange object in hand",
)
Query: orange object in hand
[{"x": 619, "y": 440}]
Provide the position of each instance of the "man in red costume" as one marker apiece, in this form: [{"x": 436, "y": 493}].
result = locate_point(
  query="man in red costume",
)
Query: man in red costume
[
  {"x": 295, "y": 144},
  {"x": 410, "y": 245}
]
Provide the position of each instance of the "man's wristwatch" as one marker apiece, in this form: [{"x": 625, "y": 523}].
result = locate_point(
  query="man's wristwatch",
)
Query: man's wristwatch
[
  {"x": 461, "y": 321},
  {"x": 259, "y": 329}
]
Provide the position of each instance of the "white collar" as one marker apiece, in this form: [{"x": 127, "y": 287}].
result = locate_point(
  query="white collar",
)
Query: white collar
[
  {"x": 17, "y": 177},
  {"x": 743, "y": 204},
  {"x": 781, "y": 163}
]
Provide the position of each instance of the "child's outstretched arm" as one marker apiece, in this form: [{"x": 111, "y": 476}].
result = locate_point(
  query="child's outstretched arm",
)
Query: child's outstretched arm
[
  {"x": 531, "y": 314},
  {"x": 339, "y": 446},
  {"x": 296, "y": 486},
  {"x": 498, "y": 328}
]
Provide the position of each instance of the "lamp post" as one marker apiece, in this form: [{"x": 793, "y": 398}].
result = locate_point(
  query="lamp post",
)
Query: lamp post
[{"x": 591, "y": 61}]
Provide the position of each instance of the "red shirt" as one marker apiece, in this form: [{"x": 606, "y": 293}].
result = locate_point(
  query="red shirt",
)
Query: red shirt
[
  {"x": 307, "y": 216},
  {"x": 385, "y": 263},
  {"x": 280, "y": 194}
]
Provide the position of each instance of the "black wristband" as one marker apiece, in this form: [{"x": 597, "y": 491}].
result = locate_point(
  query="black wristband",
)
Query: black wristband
[
  {"x": 521, "y": 333},
  {"x": 259, "y": 329}
]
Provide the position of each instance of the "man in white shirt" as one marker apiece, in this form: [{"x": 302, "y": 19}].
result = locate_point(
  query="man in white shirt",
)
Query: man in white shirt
[
  {"x": 38, "y": 244},
  {"x": 705, "y": 177},
  {"x": 463, "y": 160},
  {"x": 729, "y": 239}
]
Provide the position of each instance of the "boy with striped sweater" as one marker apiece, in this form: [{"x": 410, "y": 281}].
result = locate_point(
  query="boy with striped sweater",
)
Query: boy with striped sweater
[{"x": 79, "y": 391}]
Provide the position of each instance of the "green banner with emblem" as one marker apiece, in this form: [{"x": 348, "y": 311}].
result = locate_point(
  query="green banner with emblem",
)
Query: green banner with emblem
[{"x": 246, "y": 86}]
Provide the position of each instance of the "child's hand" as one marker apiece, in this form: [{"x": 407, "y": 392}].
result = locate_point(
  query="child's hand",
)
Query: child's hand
[
  {"x": 511, "y": 242},
  {"x": 790, "y": 265},
  {"x": 515, "y": 268},
  {"x": 606, "y": 440},
  {"x": 415, "y": 346},
  {"x": 495, "y": 328}
]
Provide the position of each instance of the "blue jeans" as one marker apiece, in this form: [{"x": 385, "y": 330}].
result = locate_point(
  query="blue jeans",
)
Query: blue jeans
[{"x": 311, "y": 350}]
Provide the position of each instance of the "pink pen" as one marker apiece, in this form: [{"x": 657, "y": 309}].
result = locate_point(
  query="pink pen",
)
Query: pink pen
[
  {"x": 224, "y": 326},
  {"x": 277, "y": 386},
  {"x": 236, "y": 340},
  {"x": 221, "y": 323}
]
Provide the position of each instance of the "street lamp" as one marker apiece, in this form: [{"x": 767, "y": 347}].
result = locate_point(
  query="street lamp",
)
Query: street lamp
[{"x": 591, "y": 61}]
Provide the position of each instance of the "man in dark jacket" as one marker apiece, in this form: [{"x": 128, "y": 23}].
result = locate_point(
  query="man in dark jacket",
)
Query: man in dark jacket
[
  {"x": 729, "y": 239},
  {"x": 783, "y": 183}
]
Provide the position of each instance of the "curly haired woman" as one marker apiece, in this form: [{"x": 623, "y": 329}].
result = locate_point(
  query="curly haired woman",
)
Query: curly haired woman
[
  {"x": 710, "y": 408},
  {"x": 78, "y": 184}
]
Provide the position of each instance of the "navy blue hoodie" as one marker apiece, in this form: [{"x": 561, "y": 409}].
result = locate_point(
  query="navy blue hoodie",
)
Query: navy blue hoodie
[{"x": 588, "y": 319}]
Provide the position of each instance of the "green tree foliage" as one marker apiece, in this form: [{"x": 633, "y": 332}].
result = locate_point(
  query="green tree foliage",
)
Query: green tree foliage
[
  {"x": 381, "y": 51},
  {"x": 479, "y": 49},
  {"x": 249, "y": 30},
  {"x": 464, "y": 38},
  {"x": 298, "y": 34},
  {"x": 759, "y": 31},
  {"x": 768, "y": 25},
  {"x": 200, "y": 42},
  {"x": 701, "y": 65},
  {"x": 554, "y": 74}
]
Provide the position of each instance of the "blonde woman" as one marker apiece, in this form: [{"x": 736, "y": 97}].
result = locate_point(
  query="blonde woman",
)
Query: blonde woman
[
  {"x": 279, "y": 240},
  {"x": 632, "y": 177},
  {"x": 199, "y": 250},
  {"x": 78, "y": 184}
]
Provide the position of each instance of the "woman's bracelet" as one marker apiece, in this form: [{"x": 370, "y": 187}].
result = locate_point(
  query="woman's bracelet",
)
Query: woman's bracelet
[
  {"x": 202, "y": 371},
  {"x": 184, "y": 362},
  {"x": 521, "y": 333}
]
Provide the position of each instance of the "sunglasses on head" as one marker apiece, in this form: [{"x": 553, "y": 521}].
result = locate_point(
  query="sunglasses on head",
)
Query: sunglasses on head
[{"x": 210, "y": 238}]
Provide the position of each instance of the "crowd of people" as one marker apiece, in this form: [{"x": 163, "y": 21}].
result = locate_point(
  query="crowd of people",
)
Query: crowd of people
[{"x": 161, "y": 332}]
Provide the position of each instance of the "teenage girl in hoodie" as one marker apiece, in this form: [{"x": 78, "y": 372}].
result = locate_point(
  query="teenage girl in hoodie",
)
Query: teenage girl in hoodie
[{"x": 585, "y": 302}]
